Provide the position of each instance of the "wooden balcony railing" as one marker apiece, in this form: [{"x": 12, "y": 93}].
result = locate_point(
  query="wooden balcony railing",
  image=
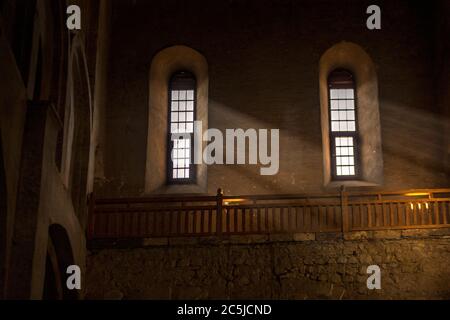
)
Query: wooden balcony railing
[{"x": 167, "y": 216}]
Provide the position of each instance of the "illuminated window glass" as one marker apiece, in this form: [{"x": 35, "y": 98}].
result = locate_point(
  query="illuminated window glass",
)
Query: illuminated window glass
[
  {"x": 343, "y": 124},
  {"x": 182, "y": 92}
]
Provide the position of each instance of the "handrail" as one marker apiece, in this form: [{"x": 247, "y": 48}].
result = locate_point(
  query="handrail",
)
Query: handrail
[{"x": 205, "y": 198}]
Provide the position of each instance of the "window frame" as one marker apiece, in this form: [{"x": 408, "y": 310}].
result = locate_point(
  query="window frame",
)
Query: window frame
[
  {"x": 192, "y": 167},
  {"x": 343, "y": 134}
]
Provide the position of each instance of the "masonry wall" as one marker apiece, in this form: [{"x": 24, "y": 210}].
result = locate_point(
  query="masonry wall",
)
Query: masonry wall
[
  {"x": 414, "y": 265},
  {"x": 35, "y": 194},
  {"x": 263, "y": 59}
]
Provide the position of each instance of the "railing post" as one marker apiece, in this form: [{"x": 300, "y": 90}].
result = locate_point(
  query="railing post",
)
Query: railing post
[
  {"x": 219, "y": 210},
  {"x": 344, "y": 210}
]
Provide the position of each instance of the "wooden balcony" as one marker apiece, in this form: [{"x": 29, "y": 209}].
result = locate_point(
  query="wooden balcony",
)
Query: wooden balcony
[{"x": 193, "y": 216}]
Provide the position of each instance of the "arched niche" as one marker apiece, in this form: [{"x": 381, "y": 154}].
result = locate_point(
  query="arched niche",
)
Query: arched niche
[
  {"x": 164, "y": 65},
  {"x": 350, "y": 56},
  {"x": 78, "y": 123},
  {"x": 58, "y": 84}
]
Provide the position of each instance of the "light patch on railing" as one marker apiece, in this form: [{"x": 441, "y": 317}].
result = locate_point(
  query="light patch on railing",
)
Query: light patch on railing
[
  {"x": 233, "y": 201},
  {"x": 419, "y": 206},
  {"x": 417, "y": 194}
]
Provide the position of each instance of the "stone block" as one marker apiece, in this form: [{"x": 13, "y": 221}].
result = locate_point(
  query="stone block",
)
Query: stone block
[
  {"x": 387, "y": 234},
  {"x": 423, "y": 233},
  {"x": 281, "y": 237},
  {"x": 151, "y": 242},
  {"x": 358, "y": 235},
  {"x": 329, "y": 236},
  {"x": 247, "y": 239},
  {"x": 183, "y": 241},
  {"x": 304, "y": 236}
]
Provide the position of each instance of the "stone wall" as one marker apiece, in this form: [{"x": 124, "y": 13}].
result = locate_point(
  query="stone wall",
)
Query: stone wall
[{"x": 414, "y": 265}]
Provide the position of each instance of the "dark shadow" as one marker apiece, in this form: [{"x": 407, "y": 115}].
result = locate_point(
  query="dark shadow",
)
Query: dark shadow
[
  {"x": 59, "y": 257},
  {"x": 59, "y": 72},
  {"x": 3, "y": 219},
  {"x": 23, "y": 35}
]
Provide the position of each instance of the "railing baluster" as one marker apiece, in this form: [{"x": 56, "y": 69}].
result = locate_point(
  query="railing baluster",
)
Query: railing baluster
[
  {"x": 302, "y": 225},
  {"x": 258, "y": 217},
  {"x": 444, "y": 213},
  {"x": 292, "y": 219},
  {"x": 244, "y": 227},
  {"x": 415, "y": 222},
  {"x": 352, "y": 216},
  {"x": 369, "y": 216},
  {"x": 407, "y": 214},
  {"x": 307, "y": 224},
  {"x": 361, "y": 216},
  {"x": 227, "y": 213},
  {"x": 202, "y": 226},
  {"x": 194, "y": 221},
  {"x": 186, "y": 223},
  {"x": 436, "y": 213},
  {"x": 329, "y": 218},
  {"x": 219, "y": 204},
  {"x": 377, "y": 215},
  {"x": 235, "y": 220},
  {"x": 177, "y": 215},
  {"x": 317, "y": 217},
  {"x": 170, "y": 213},
  {"x": 210, "y": 214}
]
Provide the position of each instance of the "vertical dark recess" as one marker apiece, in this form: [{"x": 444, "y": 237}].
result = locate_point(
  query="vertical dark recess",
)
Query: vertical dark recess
[
  {"x": 3, "y": 220},
  {"x": 23, "y": 35}
]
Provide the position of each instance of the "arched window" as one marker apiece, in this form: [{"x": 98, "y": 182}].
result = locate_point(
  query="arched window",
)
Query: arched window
[
  {"x": 179, "y": 77},
  {"x": 182, "y": 93},
  {"x": 343, "y": 125},
  {"x": 350, "y": 118}
]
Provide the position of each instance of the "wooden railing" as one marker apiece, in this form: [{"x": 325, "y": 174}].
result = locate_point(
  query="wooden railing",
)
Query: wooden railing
[{"x": 167, "y": 216}]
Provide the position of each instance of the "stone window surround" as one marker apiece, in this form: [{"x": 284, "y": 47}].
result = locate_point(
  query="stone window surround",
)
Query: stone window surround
[
  {"x": 347, "y": 55},
  {"x": 164, "y": 64}
]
